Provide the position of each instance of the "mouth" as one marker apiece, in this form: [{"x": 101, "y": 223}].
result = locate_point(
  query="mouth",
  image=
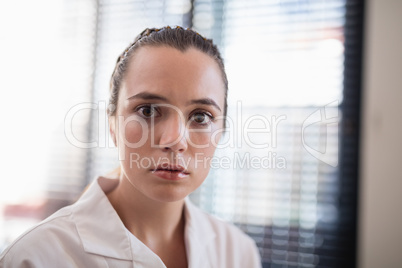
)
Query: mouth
[{"x": 170, "y": 172}]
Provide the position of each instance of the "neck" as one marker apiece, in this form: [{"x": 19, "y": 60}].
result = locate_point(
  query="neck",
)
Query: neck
[{"x": 151, "y": 221}]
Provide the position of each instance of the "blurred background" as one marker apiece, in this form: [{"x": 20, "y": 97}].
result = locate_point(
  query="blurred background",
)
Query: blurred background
[{"x": 322, "y": 76}]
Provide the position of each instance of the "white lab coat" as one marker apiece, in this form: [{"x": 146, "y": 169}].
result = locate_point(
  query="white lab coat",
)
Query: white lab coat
[{"x": 90, "y": 234}]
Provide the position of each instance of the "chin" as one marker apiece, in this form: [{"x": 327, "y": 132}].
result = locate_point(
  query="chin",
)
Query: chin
[
  {"x": 169, "y": 199},
  {"x": 169, "y": 195}
]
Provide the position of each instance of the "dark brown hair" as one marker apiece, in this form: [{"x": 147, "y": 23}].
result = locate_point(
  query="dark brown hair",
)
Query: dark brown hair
[{"x": 178, "y": 38}]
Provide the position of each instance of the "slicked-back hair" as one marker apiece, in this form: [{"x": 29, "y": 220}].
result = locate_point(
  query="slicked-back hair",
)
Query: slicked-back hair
[{"x": 175, "y": 37}]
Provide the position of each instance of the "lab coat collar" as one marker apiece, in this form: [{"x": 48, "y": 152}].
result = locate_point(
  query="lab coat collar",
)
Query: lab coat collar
[
  {"x": 103, "y": 233},
  {"x": 98, "y": 225},
  {"x": 198, "y": 235}
]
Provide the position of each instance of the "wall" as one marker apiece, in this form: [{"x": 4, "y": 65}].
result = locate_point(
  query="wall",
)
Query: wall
[{"x": 380, "y": 227}]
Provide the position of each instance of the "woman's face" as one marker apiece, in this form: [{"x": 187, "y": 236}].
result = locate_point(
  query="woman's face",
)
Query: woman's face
[{"x": 168, "y": 121}]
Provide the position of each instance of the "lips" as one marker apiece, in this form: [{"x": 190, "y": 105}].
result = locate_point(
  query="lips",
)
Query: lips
[{"x": 170, "y": 172}]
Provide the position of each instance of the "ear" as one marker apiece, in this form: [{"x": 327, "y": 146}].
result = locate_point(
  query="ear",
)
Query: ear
[{"x": 112, "y": 129}]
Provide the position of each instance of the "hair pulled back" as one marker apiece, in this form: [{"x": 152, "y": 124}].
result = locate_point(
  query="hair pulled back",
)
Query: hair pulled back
[{"x": 176, "y": 37}]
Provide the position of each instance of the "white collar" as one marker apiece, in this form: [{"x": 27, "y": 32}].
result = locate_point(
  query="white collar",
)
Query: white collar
[{"x": 103, "y": 233}]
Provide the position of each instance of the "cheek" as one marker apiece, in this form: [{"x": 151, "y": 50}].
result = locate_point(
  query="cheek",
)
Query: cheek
[
  {"x": 204, "y": 144},
  {"x": 206, "y": 139},
  {"x": 133, "y": 134},
  {"x": 199, "y": 140}
]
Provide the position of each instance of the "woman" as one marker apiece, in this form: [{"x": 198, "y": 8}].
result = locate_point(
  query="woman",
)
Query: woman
[{"x": 166, "y": 116}]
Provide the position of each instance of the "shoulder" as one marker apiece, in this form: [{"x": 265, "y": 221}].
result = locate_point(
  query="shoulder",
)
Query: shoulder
[
  {"x": 232, "y": 247},
  {"x": 54, "y": 242},
  {"x": 224, "y": 231},
  {"x": 227, "y": 232},
  {"x": 231, "y": 237},
  {"x": 44, "y": 243},
  {"x": 36, "y": 243},
  {"x": 84, "y": 234}
]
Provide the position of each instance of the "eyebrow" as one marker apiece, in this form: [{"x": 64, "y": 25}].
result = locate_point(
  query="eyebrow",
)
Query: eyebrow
[
  {"x": 206, "y": 101},
  {"x": 148, "y": 96},
  {"x": 151, "y": 96}
]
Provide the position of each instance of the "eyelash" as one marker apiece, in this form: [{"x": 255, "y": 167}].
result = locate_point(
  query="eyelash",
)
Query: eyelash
[
  {"x": 210, "y": 116},
  {"x": 141, "y": 108}
]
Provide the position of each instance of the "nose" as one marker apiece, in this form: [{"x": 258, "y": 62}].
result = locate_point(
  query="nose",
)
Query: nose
[{"x": 173, "y": 137}]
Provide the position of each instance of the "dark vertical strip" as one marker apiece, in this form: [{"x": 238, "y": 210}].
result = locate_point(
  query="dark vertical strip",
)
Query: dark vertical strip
[
  {"x": 91, "y": 128},
  {"x": 188, "y": 17},
  {"x": 218, "y": 30},
  {"x": 350, "y": 126}
]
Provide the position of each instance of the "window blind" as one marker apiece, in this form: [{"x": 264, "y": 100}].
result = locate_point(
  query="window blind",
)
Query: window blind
[
  {"x": 297, "y": 64},
  {"x": 67, "y": 159},
  {"x": 294, "y": 71},
  {"x": 47, "y": 65},
  {"x": 286, "y": 63}
]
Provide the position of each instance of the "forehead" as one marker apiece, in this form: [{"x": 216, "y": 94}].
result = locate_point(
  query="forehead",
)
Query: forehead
[{"x": 168, "y": 71}]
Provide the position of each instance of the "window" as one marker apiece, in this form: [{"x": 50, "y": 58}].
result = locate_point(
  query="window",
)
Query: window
[
  {"x": 286, "y": 172},
  {"x": 283, "y": 183},
  {"x": 47, "y": 59},
  {"x": 293, "y": 90}
]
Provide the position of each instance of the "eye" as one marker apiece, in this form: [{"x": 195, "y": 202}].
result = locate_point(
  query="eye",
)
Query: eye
[
  {"x": 201, "y": 118},
  {"x": 147, "y": 111}
]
